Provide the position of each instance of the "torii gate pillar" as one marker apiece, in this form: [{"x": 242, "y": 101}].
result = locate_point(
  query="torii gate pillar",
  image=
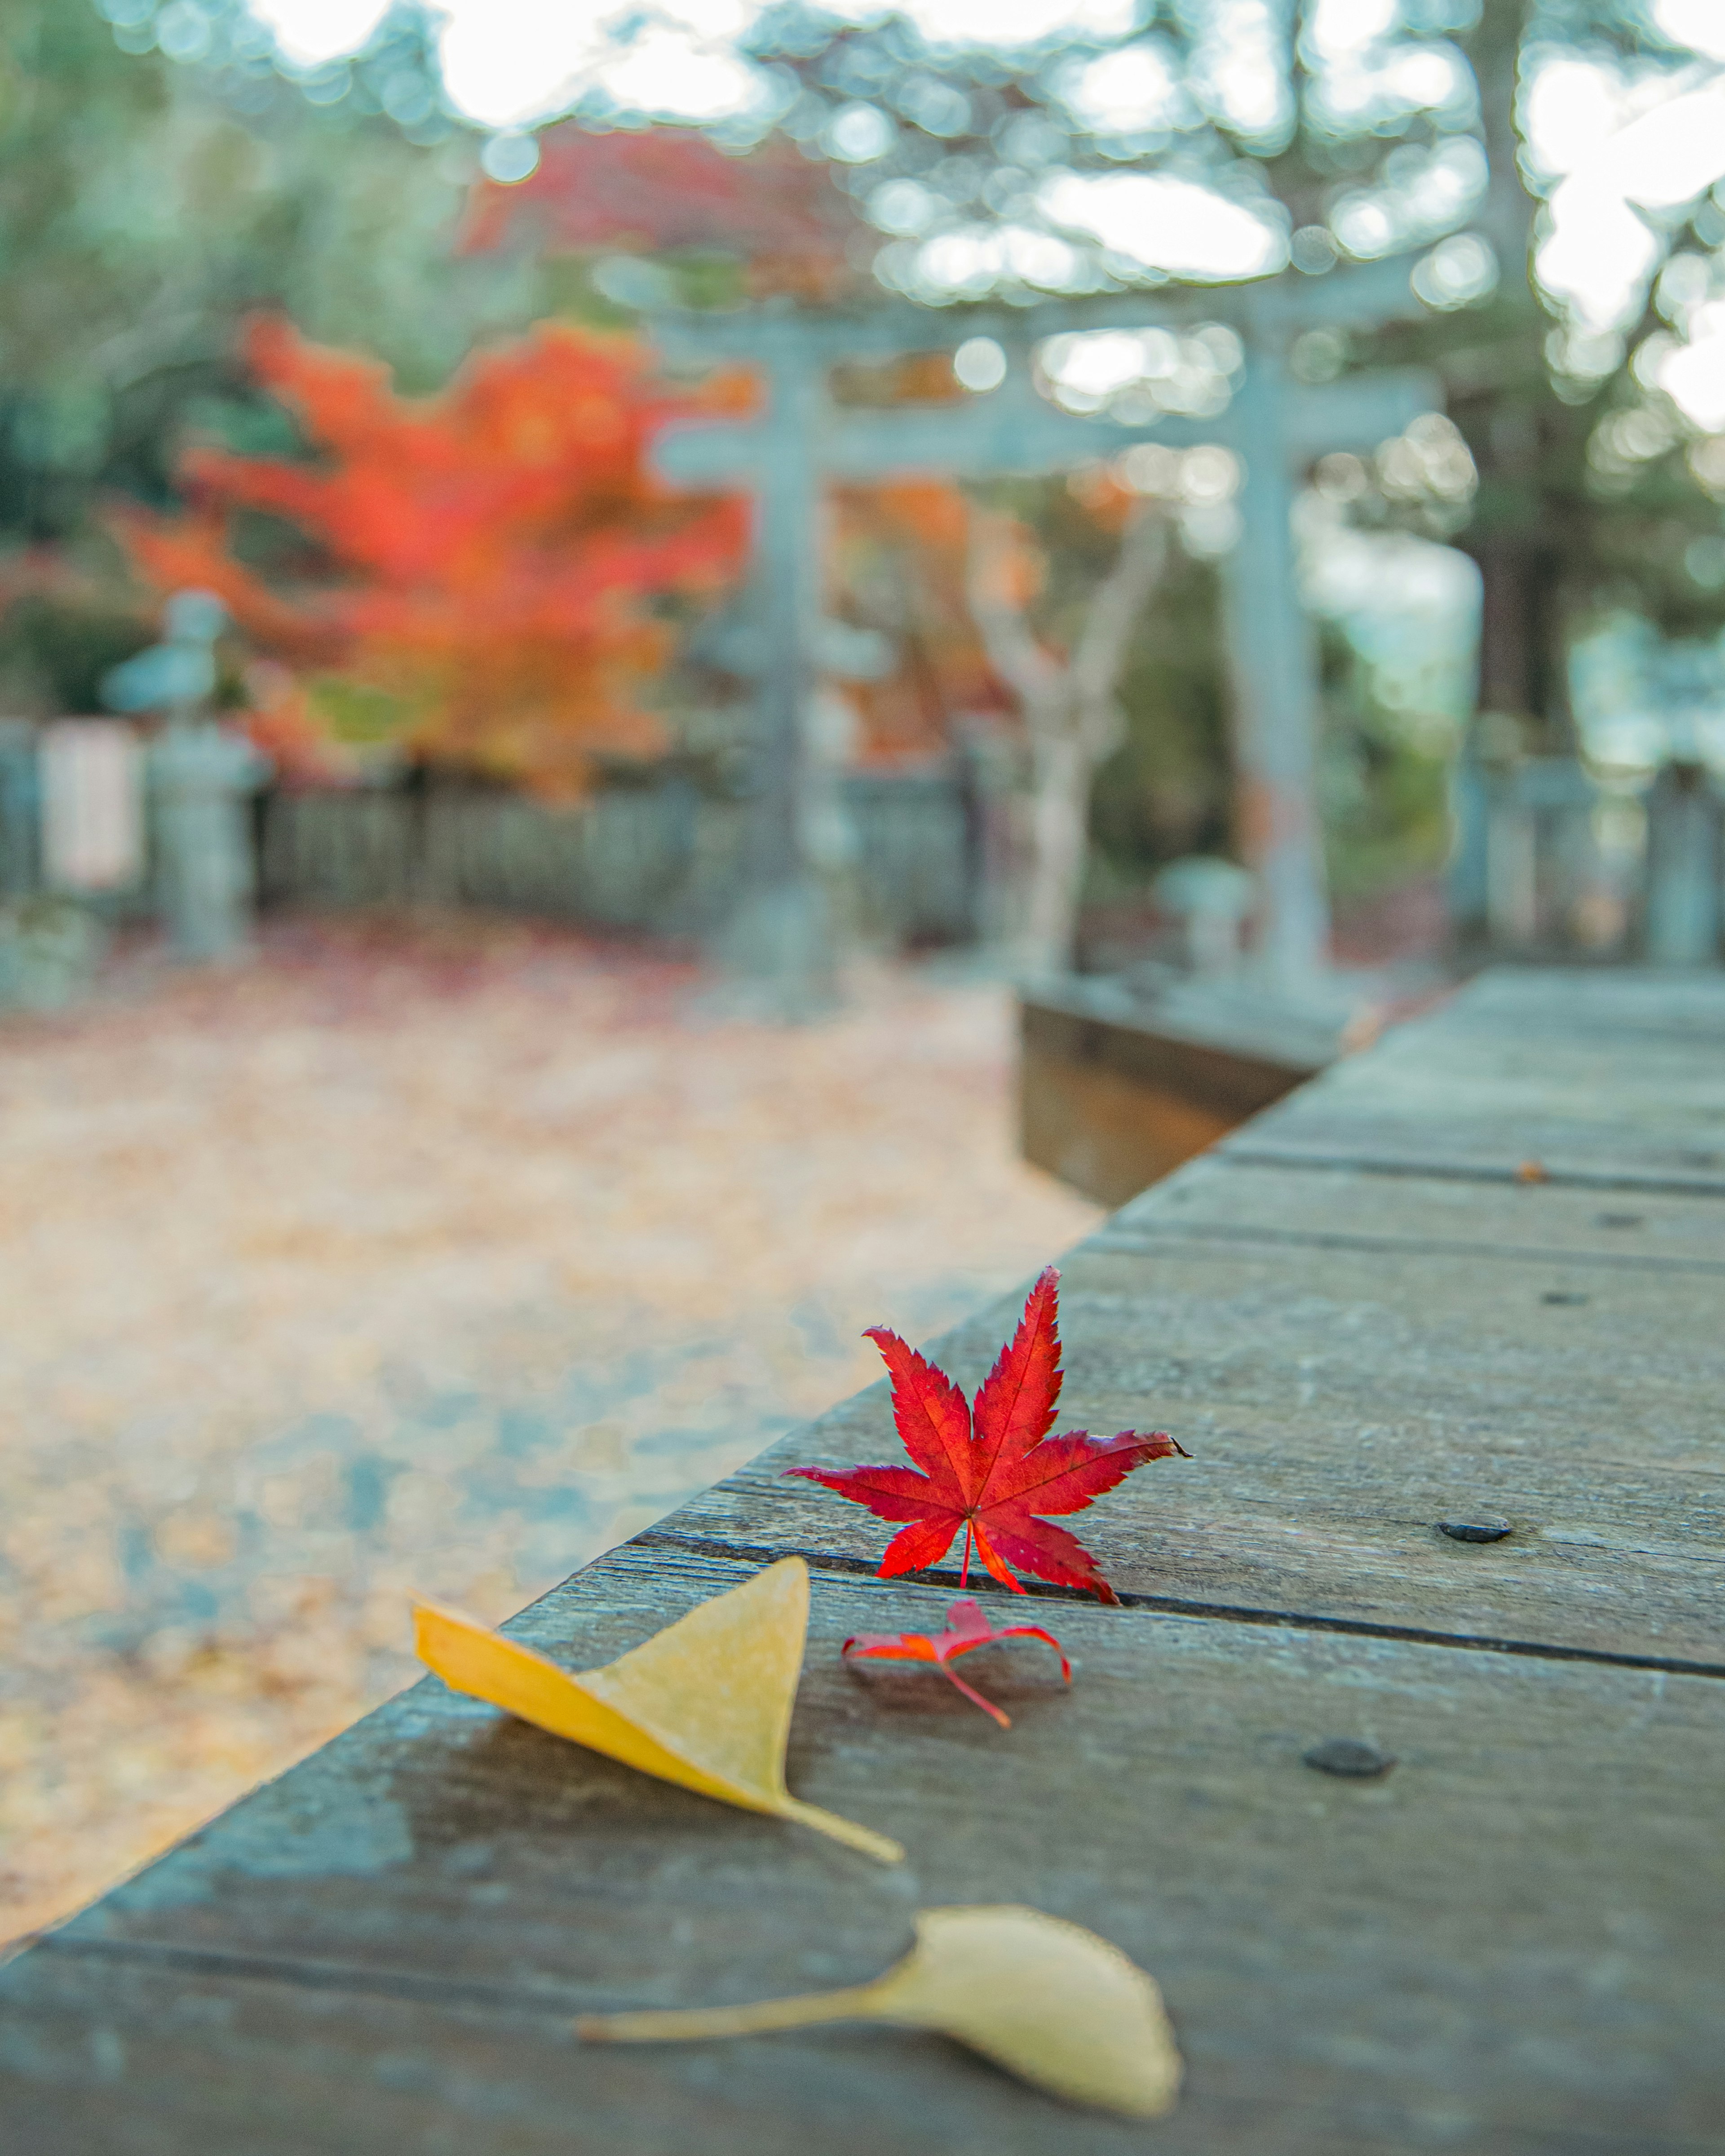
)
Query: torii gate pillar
[
  {"x": 781, "y": 932},
  {"x": 1272, "y": 660}
]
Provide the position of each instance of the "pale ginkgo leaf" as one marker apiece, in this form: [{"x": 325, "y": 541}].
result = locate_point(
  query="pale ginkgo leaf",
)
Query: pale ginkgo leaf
[
  {"x": 705, "y": 1703},
  {"x": 1046, "y": 1999}
]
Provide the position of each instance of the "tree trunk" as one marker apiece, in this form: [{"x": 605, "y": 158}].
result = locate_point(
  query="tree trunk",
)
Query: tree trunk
[
  {"x": 1060, "y": 836},
  {"x": 1513, "y": 434},
  {"x": 1523, "y": 658},
  {"x": 1071, "y": 710}
]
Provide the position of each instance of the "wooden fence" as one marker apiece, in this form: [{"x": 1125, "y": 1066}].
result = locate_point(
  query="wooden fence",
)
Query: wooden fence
[{"x": 663, "y": 858}]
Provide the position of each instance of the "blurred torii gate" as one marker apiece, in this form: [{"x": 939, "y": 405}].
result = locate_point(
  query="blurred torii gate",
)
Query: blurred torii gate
[{"x": 1274, "y": 425}]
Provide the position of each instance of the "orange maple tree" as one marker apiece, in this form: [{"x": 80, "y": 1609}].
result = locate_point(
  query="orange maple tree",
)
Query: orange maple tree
[
  {"x": 489, "y": 575},
  {"x": 900, "y": 554}
]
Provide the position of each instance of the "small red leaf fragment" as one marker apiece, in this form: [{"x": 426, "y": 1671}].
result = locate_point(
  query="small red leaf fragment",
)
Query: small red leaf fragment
[
  {"x": 967, "y": 1628},
  {"x": 992, "y": 1470}
]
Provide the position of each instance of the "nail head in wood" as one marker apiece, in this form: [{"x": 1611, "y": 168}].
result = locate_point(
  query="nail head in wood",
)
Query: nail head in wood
[
  {"x": 1481, "y": 1528},
  {"x": 1346, "y": 1756}
]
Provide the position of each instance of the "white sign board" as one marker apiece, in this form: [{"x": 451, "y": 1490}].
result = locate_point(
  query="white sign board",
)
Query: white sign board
[{"x": 92, "y": 805}]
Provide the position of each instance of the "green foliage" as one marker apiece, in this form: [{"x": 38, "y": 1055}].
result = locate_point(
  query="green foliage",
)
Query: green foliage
[
  {"x": 1167, "y": 791},
  {"x": 1588, "y": 501},
  {"x": 358, "y": 714},
  {"x": 54, "y": 650},
  {"x": 146, "y": 207},
  {"x": 1588, "y": 504},
  {"x": 1383, "y": 789}
]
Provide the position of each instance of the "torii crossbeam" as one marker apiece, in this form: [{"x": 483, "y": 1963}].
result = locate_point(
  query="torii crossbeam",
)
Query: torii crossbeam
[{"x": 1275, "y": 426}]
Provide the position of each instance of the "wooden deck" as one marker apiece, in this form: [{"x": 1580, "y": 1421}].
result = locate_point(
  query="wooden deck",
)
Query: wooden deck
[{"x": 1473, "y": 1276}]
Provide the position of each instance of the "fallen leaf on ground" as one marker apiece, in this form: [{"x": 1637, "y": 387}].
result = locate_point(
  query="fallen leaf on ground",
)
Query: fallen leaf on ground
[
  {"x": 967, "y": 1628},
  {"x": 992, "y": 1470},
  {"x": 705, "y": 1703},
  {"x": 1046, "y": 1999}
]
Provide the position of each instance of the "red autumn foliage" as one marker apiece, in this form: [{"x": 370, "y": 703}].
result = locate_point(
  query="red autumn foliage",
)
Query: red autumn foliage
[
  {"x": 992, "y": 1470},
  {"x": 967, "y": 1628},
  {"x": 488, "y": 566},
  {"x": 668, "y": 189}
]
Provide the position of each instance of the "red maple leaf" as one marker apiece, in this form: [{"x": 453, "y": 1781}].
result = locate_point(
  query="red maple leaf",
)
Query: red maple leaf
[
  {"x": 993, "y": 1470},
  {"x": 965, "y": 1628}
]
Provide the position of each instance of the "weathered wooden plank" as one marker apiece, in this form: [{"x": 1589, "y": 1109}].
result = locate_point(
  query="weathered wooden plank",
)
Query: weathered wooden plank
[
  {"x": 1336, "y": 1407},
  {"x": 425, "y": 1799},
  {"x": 1358, "y": 1365},
  {"x": 1566, "y": 1002},
  {"x": 238, "y": 2062},
  {"x": 1612, "y": 1079},
  {"x": 1509, "y": 1943},
  {"x": 1228, "y": 1197}
]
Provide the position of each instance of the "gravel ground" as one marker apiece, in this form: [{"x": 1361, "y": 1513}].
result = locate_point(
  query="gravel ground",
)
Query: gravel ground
[{"x": 435, "y": 1256}]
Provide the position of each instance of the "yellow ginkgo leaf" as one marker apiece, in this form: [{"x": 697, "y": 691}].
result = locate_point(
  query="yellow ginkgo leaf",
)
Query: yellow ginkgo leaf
[
  {"x": 1048, "y": 2000},
  {"x": 705, "y": 1703}
]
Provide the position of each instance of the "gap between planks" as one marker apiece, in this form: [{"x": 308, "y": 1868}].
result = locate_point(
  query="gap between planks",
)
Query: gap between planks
[
  {"x": 1152, "y": 1237},
  {"x": 1170, "y": 1605},
  {"x": 1228, "y": 1154},
  {"x": 511, "y": 2000}
]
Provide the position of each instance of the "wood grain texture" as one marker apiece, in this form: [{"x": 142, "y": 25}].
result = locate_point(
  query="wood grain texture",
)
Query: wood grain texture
[
  {"x": 1506, "y": 1946},
  {"x": 1228, "y": 1197},
  {"x": 1608, "y": 1078},
  {"x": 1509, "y": 1943},
  {"x": 1337, "y": 1404}
]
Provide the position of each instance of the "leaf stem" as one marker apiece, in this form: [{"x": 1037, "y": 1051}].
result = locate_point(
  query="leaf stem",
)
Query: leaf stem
[
  {"x": 677, "y": 2027},
  {"x": 881, "y": 1847},
  {"x": 970, "y": 1691}
]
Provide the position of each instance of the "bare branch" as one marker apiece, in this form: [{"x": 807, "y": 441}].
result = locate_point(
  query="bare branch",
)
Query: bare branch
[
  {"x": 1108, "y": 625},
  {"x": 1120, "y": 598},
  {"x": 1034, "y": 674}
]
